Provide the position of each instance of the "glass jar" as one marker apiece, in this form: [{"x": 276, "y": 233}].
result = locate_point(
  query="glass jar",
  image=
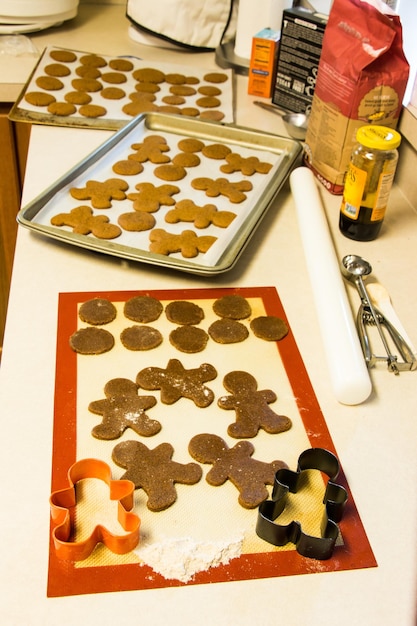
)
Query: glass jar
[{"x": 368, "y": 182}]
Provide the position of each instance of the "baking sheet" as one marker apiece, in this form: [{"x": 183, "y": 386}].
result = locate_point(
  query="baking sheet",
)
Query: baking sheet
[
  {"x": 203, "y": 516},
  {"x": 280, "y": 152},
  {"x": 114, "y": 116}
]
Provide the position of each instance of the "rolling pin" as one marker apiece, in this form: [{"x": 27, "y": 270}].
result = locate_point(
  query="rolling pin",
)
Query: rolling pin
[{"x": 347, "y": 367}]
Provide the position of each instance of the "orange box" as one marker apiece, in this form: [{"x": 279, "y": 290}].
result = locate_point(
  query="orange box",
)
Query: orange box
[{"x": 263, "y": 63}]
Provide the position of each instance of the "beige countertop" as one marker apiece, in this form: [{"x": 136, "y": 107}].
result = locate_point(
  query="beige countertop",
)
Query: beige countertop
[{"x": 376, "y": 440}]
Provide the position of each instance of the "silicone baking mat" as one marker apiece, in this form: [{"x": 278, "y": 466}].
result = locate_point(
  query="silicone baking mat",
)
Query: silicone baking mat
[{"x": 206, "y": 535}]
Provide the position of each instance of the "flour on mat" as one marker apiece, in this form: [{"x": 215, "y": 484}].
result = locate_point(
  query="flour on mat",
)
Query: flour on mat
[{"x": 181, "y": 558}]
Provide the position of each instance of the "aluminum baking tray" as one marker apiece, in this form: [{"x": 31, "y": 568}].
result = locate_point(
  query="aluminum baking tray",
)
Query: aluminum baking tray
[{"x": 230, "y": 242}]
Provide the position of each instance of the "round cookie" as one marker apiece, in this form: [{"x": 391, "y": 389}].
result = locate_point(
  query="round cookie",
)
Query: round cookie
[
  {"x": 61, "y": 108},
  {"x": 208, "y": 102},
  {"x": 216, "y": 151},
  {"x": 127, "y": 167},
  {"x": 91, "y": 340},
  {"x": 93, "y": 60},
  {"x": 212, "y": 115},
  {"x": 182, "y": 90},
  {"x": 136, "y": 221},
  {"x": 189, "y": 339},
  {"x": 141, "y": 338},
  {"x": 170, "y": 172},
  {"x": 57, "y": 69},
  {"x": 226, "y": 331},
  {"x": 85, "y": 71},
  {"x": 97, "y": 311},
  {"x": 50, "y": 83},
  {"x": 121, "y": 65},
  {"x": 233, "y": 307},
  {"x": 149, "y": 75},
  {"x": 209, "y": 90},
  {"x": 186, "y": 159},
  {"x": 39, "y": 98},
  {"x": 215, "y": 77},
  {"x": 190, "y": 145},
  {"x": 143, "y": 309},
  {"x": 183, "y": 312},
  {"x": 114, "y": 78},
  {"x": 63, "y": 56},
  {"x": 92, "y": 110},
  {"x": 112, "y": 93},
  {"x": 269, "y": 327},
  {"x": 78, "y": 97},
  {"x": 87, "y": 84}
]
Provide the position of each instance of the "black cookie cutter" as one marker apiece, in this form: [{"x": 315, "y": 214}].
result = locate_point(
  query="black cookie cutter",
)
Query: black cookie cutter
[{"x": 335, "y": 499}]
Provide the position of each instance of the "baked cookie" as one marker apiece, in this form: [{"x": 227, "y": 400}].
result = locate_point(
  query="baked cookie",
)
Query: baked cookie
[
  {"x": 92, "y": 110},
  {"x": 251, "y": 406},
  {"x": 114, "y": 78},
  {"x": 216, "y": 77},
  {"x": 175, "y": 382},
  {"x": 49, "y": 83},
  {"x": 154, "y": 471},
  {"x": 101, "y": 194},
  {"x": 152, "y": 148},
  {"x": 86, "y": 84},
  {"x": 123, "y": 408},
  {"x": 57, "y": 69},
  {"x": 236, "y": 464},
  {"x": 149, "y": 75},
  {"x": 97, "y": 311},
  {"x": 170, "y": 172},
  {"x": 200, "y": 216},
  {"x": 77, "y": 97},
  {"x": 91, "y": 340},
  {"x": 150, "y": 198},
  {"x": 136, "y": 221},
  {"x": 216, "y": 151},
  {"x": 93, "y": 60},
  {"x": 121, "y": 65},
  {"x": 62, "y": 109},
  {"x": 234, "y": 191},
  {"x": 247, "y": 165},
  {"x": 112, "y": 93},
  {"x": 63, "y": 56},
  {"x": 39, "y": 98},
  {"x": 190, "y": 144},
  {"x": 83, "y": 222},
  {"x": 187, "y": 243},
  {"x": 127, "y": 167}
]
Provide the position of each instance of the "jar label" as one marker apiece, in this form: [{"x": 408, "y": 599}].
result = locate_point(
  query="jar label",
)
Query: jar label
[{"x": 353, "y": 192}]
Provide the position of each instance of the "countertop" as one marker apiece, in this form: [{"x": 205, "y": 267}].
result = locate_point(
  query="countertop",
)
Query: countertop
[{"x": 376, "y": 440}]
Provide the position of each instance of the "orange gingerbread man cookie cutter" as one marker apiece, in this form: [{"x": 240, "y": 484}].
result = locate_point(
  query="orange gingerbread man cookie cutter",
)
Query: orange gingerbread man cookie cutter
[{"x": 63, "y": 502}]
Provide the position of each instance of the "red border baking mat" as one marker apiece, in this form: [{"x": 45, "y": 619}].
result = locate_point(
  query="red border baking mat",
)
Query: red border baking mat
[{"x": 68, "y": 578}]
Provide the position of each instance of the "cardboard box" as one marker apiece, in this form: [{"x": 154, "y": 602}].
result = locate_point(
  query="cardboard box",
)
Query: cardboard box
[
  {"x": 299, "y": 53},
  {"x": 263, "y": 63}
]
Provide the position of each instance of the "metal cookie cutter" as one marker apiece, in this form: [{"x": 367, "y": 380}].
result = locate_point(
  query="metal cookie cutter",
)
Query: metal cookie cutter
[
  {"x": 63, "y": 503},
  {"x": 335, "y": 499}
]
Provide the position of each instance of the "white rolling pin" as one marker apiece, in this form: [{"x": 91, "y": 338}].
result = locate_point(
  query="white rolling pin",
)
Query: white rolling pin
[{"x": 348, "y": 371}]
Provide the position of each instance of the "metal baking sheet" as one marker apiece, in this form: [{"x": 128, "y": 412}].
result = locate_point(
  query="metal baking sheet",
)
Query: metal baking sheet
[
  {"x": 281, "y": 152},
  {"x": 114, "y": 115}
]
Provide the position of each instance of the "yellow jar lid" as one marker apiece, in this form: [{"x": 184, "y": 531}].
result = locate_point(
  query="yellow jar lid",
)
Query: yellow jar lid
[{"x": 378, "y": 137}]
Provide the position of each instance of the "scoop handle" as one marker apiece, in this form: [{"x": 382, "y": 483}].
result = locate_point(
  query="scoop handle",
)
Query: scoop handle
[{"x": 347, "y": 368}]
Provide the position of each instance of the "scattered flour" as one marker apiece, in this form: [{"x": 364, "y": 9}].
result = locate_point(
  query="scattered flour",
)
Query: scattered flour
[{"x": 181, "y": 558}]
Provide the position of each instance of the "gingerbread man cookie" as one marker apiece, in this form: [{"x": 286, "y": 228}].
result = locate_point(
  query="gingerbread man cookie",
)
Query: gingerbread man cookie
[
  {"x": 121, "y": 409},
  {"x": 83, "y": 222},
  {"x": 154, "y": 471},
  {"x": 187, "y": 243},
  {"x": 221, "y": 186},
  {"x": 150, "y": 198},
  {"x": 236, "y": 464},
  {"x": 176, "y": 382},
  {"x": 201, "y": 216},
  {"x": 251, "y": 406},
  {"x": 151, "y": 149},
  {"x": 247, "y": 165},
  {"x": 101, "y": 194}
]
